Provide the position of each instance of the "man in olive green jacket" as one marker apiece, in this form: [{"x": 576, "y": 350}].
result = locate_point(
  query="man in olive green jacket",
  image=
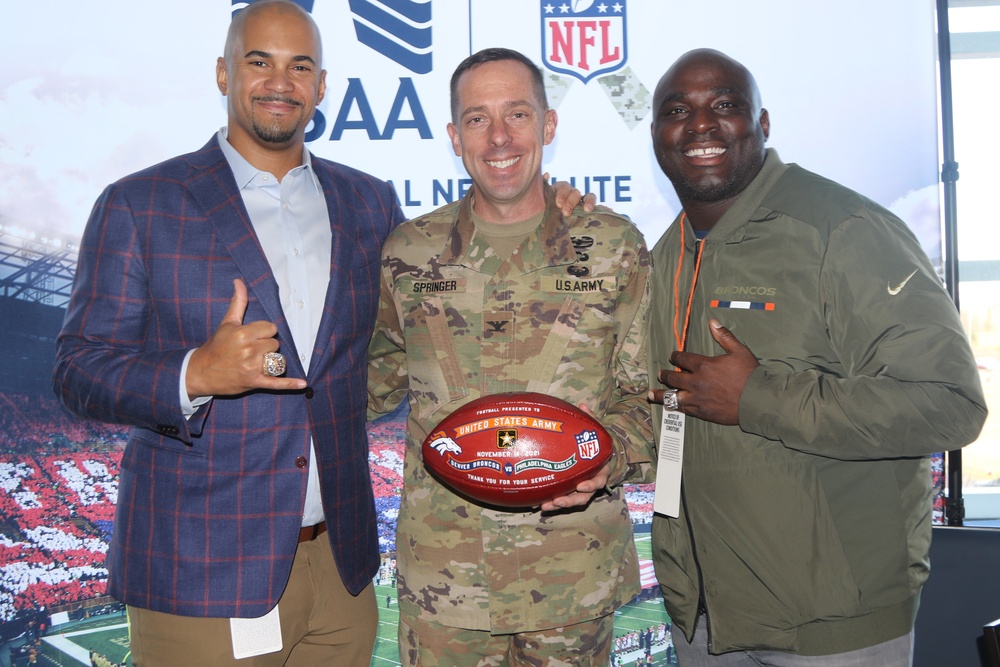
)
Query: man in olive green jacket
[{"x": 818, "y": 362}]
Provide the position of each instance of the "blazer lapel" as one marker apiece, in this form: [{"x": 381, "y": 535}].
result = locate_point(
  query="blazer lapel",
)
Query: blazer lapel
[
  {"x": 215, "y": 189},
  {"x": 323, "y": 349}
]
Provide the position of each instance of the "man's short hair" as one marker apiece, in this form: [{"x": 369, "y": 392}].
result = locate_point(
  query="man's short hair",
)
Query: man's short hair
[{"x": 493, "y": 55}]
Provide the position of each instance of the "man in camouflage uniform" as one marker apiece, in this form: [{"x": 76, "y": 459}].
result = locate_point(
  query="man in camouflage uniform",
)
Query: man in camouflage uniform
[{"x": 500, "y": 292}]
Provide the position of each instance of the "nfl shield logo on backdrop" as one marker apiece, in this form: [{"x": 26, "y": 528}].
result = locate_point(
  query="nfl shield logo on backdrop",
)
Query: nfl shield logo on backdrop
[{"x": 583, "y": 38}]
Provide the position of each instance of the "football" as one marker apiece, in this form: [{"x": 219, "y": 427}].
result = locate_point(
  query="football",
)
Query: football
[{"x": 516, "y": 450}]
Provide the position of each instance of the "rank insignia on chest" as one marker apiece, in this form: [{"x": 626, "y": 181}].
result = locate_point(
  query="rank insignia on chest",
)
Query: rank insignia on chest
[{"x": 497, "y": 326}]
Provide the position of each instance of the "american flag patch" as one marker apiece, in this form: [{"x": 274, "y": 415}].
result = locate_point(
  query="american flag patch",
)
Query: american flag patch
[{"x": 745, "y": 305}]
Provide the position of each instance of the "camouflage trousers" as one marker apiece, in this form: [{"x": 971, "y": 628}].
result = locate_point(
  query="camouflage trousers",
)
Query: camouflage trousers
[{"x": 423, "y": 644}]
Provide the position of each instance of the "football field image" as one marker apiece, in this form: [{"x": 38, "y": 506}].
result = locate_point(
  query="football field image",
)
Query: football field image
[{"x": 104, "y": 640}]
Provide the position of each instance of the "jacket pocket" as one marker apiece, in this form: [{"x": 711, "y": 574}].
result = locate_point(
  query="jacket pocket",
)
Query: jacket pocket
[
  {"x": 436, "y": 377},
  {"x": 768, "y": 544},
  {"x": 165, "y": 461}
]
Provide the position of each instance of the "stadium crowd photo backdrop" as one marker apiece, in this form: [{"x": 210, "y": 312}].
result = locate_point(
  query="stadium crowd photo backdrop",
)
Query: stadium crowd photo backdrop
[{"x": 90, "y": 92}]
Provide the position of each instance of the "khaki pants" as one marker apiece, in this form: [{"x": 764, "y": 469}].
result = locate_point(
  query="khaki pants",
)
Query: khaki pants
[{"x": 321, "y": 624}]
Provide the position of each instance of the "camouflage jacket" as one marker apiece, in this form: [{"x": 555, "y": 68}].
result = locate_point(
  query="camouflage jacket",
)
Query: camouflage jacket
[{"x": 566, "y": 315}]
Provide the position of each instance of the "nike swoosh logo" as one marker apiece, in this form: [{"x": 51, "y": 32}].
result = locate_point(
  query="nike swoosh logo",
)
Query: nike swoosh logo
[{"x": 893, "y": 291}]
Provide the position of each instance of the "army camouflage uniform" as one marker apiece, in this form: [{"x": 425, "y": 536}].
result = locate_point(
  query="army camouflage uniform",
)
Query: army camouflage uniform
[
  {"x": 586, "y": 644},
  {"x": 565, "y": 315}
]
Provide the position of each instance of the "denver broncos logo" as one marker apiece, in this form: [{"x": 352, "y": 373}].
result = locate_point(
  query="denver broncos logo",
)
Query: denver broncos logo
[{"x": 442, "y": 443}]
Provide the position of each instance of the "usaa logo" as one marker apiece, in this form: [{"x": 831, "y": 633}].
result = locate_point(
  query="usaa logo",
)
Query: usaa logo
[
  {"x": 400, "y": 30},
  {"x": 402, "y": 33}
]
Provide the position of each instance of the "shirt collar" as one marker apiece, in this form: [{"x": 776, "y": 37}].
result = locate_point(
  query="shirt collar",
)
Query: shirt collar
[
  {"x": 731, "y": 227},
  {"x": 244, "y": 172},
  {"x": 549, "y": 245}
]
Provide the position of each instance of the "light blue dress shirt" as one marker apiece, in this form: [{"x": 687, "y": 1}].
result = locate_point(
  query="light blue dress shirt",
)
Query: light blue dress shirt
[{"x": 292, "y": 223}]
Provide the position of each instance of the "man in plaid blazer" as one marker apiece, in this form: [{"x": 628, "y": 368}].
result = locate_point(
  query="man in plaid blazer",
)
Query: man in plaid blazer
[{"x": 190, "y": 273}]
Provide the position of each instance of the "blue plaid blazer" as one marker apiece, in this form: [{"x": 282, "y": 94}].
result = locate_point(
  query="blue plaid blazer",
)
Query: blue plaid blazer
[{"x": 209, "y": 509}]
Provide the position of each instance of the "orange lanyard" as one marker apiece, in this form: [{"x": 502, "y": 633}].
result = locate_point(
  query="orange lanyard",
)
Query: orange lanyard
[{"x": 681, "y": 335}]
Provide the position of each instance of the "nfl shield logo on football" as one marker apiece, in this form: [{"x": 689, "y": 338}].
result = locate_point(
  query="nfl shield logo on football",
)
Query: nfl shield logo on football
[
  {"x": 588, "y": 445},
  {"x": 583, "y": 38}
]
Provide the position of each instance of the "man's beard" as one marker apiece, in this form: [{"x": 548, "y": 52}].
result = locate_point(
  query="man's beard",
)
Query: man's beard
[
  {"x": 275, "y": 134},
  {"x": 716, "y": 191},
  {"x": 709, "y": 192}
]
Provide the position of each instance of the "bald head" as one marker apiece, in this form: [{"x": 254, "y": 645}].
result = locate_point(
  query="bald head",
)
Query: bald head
[
  {"x": 266, "y": 9},
  {"x": 706, "y": 61},
  {"x": 708, "y": 130}
]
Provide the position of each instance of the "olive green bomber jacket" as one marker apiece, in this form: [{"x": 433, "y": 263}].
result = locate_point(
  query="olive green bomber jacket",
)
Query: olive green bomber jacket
[{"x": 807, "y": 527}]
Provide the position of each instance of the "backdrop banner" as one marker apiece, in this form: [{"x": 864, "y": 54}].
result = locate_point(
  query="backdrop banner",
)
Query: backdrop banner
[{"x": 90, "y": 92}]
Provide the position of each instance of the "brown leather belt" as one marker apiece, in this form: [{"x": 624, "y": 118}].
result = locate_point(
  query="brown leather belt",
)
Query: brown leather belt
[{"x": 310, "y": 533}]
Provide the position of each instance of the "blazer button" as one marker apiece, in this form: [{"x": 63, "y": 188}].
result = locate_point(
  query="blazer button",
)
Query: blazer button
[
  {"x": 167, "y": 429},
  {"x": 301, "y": 462},
  {"x": 309, "y": 392}
]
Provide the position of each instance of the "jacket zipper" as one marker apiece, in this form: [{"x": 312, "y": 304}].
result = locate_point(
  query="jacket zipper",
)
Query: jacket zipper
[{"x": 702, "y": 601}]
